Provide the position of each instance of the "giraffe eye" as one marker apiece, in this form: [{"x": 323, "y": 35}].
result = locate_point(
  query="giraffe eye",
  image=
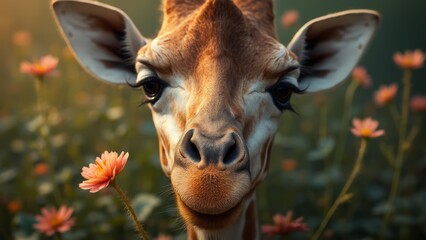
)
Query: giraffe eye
[
  {"x": 281, "y": 93},
  {"x": 153, "y": 87}
]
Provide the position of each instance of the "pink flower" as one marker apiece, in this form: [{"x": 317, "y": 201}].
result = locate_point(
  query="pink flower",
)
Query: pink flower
[
  {"x": 385, "y": 94},
  {"x": 53, "y": 220},
  {"x": 14, "y": 206},
  {"x": 289, "y": 165},
  {"x": 284, "y": 224},
  {"x": 99, "y": 175},
  {"x": 41, "y": 67},
  {"x": 41, "y": 169},
  {"x": 360, "y": 75},
  {"x": 366, "y": 128},
  {"x": 410, "y": 59},
  {"x": 289, "y": 18},
  {"x": 418, "y": 104},
  {"x": 21, "y": 38}
]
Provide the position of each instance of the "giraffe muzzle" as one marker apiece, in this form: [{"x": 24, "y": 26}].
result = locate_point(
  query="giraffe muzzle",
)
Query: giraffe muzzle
[{"x": 211, "y": 174}]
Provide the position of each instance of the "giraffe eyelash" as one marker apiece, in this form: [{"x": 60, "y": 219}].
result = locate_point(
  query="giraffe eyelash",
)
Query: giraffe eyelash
[
  {"x": 152, "y": 87},
  {"x": 137, "y": 86},
  {"x": 282, "y": 91}
]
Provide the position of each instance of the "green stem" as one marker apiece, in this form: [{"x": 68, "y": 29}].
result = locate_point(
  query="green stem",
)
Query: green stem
[
  {"x": 401, "y": 149},
  {"x": 414, "y": 130},
  {"x": 41, "y": 106},
  {"x": 404, "y": 108},
  {"x": 327, "y": 159},
  {"x": 343, "y": 194},
  {"x": 44, "y": 133},
  {"x": 130, "y": 210},
  {"x": 394, "y": 113},
  {"x": 350, "y": 91}
]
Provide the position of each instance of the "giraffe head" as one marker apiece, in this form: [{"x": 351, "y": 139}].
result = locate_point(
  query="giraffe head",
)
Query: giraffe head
[{"x": 217, "y": 81}]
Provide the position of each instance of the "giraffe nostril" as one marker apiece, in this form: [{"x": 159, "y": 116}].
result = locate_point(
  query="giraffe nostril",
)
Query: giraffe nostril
[
  {"x": 231, "y": 154},
  {"x": 188, "y": 149},
  {"x": 236, "y": 150},
  {"x": 222, "y": 151},
  {"x": 193, "y": 152}
]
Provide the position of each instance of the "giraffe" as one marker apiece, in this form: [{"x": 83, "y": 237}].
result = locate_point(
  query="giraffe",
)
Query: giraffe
[{"x": 216, "y": 80}]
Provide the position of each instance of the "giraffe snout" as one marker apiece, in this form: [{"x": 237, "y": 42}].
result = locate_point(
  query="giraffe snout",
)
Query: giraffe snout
[{"x": 224, "y": 151}]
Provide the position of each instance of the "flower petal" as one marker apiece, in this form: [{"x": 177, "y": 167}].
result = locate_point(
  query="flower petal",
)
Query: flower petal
[
  {"x": 378, "y": 133},
  {"x": 105, "y": 169}
]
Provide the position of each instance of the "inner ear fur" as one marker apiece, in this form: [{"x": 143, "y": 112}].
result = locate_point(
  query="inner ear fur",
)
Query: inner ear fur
[
  {"x": 329, "y": 47},
  {"x": 103, "y": 38}
]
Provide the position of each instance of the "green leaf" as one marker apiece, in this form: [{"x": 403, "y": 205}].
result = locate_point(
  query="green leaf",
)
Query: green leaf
[
  {"x": 323, "y": 150},
  {"x": 144, "y": 204},
  {"x": 7, "y": 175}
]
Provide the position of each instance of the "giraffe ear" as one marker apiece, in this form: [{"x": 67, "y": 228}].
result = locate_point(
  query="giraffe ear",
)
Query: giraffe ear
[
  {"x": 103, "y": 38},
  {"x": 329, "y": 47}
]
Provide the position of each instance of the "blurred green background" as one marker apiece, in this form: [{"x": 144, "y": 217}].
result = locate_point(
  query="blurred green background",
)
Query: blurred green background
[{"x": 87, "y": 117}]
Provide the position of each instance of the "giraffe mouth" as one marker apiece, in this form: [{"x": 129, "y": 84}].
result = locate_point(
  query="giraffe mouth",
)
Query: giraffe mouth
[
  {"x": 211, "y": 221},
  {"x": 209, "y": 198}
]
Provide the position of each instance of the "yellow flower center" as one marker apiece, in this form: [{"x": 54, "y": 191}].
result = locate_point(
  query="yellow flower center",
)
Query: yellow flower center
[
  {"x": 366, "y": 132},
  {"x": 39, "y": 68},
  {"x": 55, "y": 222},
  {"x": 408, "y": 62},
  {"x": 388, "y": 95},
  {"x": 100, "y": 170}
]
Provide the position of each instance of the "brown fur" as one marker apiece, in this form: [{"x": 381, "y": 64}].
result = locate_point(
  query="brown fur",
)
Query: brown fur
[
  {"x": 191, "y": 233},
  {"x": 260, "y": 13},
  {"x": 216, "y": 29},
  {"x": 217, "y": 46}
]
